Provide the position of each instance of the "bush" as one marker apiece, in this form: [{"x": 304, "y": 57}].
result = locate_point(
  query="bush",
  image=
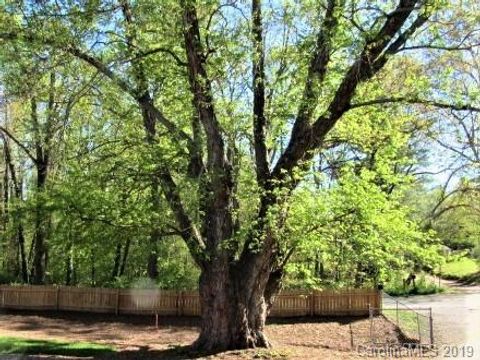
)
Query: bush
[
  {"x": 459, "y": 268},
  {"x": 476, "y": 252},
  {"x": 423, "y": 286},
  {"x": 6, "y": 278}
]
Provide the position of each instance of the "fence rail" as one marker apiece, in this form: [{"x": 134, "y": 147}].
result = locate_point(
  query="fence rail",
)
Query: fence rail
[
  {"x": 354, "y": 302},
  {"x": 415, "y": 323}
]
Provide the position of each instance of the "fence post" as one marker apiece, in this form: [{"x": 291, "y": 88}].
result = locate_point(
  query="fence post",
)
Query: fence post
[
  {"x": 312, "y": 303},
  {"x": 117, "y": 302},
  {"x": 370, "y": 315},
  {"x": 396, "y": 302},
  {"x": 177, "y": 303},
  {"x": 182, "y": 303},
  {"x": 431, "y": 327},
  {"x": 380, "y": 301},
  {"x": 3, "y": 296},
  {"x": 419, "y": 333},
  {"x": 57, "y": 298}
]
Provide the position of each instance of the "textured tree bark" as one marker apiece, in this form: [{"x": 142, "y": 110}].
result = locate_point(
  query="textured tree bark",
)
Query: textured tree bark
[
  {"x": 17, "y": 186},
  {"x": 116, "y": 261},
  {"x": 92, "y": 268},
  {"x": 152, "y": 261},
  {"x": 6, "y": 249},
  {"x": 233, "y": 315},
  {"x": 22, "y": 255},
  {"x": 69, "y": 266},
  {"x": 125, "y": 257},
  {"x": 38, "y": 276},
  {"x": 42, "y": 137}
]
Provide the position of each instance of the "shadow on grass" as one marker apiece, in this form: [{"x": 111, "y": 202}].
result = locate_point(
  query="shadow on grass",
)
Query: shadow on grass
[
  {"x": 343, "y": 320},
  {"x": 464, "y": 280},
  {"x": 17, "y": 346},
  {"x": 165, "y": 321},
  {"x": 174, "y": 353},
  {"x": 471, "y": 280},
  {"x": 86, "y": 318},
  {"x": 10, "y": 345},
  {"x": 187, "y": 352}
]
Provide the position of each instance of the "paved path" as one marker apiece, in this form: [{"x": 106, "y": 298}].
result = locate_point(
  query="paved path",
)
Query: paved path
[{"x": 456, "y": 315}]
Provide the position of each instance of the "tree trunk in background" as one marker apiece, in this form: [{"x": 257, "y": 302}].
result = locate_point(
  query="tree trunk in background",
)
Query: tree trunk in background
[
  {"x": 92, "y": 268},
  {"x": 155, "y": 235},
  {"x": 5, "y": 193},
  {"x": 18, "y": 223},
  {"x": 120, "y": 260},
  {"x": 38, "y": 276},
  {"x": 145, "y": 103},
  {"x": 123, "y": 264},
  {"x": 22, "y": 255},
  {"x": 152, "y": 263},
  {"x": 69, "y": 266},
  {"x": 116, "y": 261},
  {"x": 43, "y": 136}
]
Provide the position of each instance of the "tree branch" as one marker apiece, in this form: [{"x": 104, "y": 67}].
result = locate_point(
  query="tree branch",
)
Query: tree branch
[
  {"x": 439, "y": 47},
  {"x": 259, "y": 119},
  {"x": 302, "y": 132},
  {"x": 143, "y": 54},
  {"x": 200, "y": 85},
  {"x": 372, "y": 58},
  {"x": 124, "y": 85},
  {"x": 317, "y": 68},
  {"x": 188, "y": 231},
  {"x": 414, "y": 101},
  {"x": 9, "y": 162},
  {"x": 15, "y": 140}
]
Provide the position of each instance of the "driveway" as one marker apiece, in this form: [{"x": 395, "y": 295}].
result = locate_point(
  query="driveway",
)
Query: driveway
[{"x": 456, "y": 315}]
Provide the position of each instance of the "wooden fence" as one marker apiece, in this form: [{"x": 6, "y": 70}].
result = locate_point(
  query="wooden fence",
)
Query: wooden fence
[{"x": 180, "y": 303}]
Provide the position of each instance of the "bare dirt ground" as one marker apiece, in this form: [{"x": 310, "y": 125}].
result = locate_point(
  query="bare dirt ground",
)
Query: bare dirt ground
[{"x": 136, "y": 337}]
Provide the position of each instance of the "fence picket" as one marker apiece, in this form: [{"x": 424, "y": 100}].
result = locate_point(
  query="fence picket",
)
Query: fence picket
[{"x": 179, "y": 303}]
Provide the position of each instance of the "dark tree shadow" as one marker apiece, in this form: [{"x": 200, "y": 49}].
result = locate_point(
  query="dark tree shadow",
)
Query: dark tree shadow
[
  {"x": 144, "y": 352},
  {"x": 342, "y": 320}
]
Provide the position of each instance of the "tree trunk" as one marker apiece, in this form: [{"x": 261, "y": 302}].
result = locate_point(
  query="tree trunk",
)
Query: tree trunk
[
  {"x": 116, "y": 261},
  {"x": 125, "y": 257},
  {"x": 21, "y": 248},
  {"x": 5, "y": 217},
  {"x": 228, "y": 323},
  {"x": 40, "y": 228},
  {"x": 17, "y": 186},
  {"x": 92, "y": 268},
  {"x": 152, "y": 262},
  {"x": 69, "y": 266},
  {"x": 234, "y": 310}
]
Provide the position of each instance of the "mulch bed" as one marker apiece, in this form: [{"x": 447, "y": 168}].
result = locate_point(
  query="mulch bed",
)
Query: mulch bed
[{"x": 136, "y": 337}]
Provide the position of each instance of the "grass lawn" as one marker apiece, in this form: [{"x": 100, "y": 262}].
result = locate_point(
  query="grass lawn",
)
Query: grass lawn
[
  {"x": 11, "y": 345},
  {"x": 407, "y": 320},
  {"x": 465, "y": 269},
  {"x": 423, "y": 286}
]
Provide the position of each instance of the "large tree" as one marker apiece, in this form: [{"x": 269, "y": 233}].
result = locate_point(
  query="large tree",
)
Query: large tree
[{"x": 225, "y": 86}]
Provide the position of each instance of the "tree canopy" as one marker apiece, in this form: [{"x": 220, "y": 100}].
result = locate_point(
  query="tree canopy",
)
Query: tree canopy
[{"x": 234, "y": 142}]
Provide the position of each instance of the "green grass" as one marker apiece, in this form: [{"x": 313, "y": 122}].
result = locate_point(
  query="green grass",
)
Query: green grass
[
  {"x": 11, "y": 345},
  {"x": 423, "y": 286},
  {"x": 407, "y": 320},
  {"x": 460, "y": 269}
]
